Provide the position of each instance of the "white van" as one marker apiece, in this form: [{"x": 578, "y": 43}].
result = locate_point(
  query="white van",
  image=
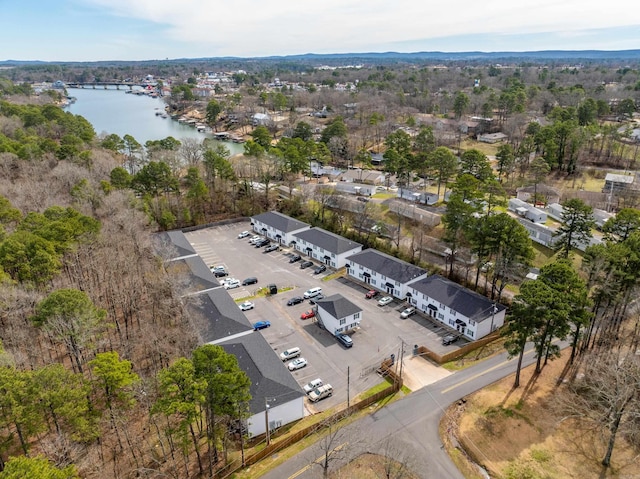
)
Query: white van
[
  {"x": 320, "y": 393},
  {"x": 290, "y": 354},
  {"x": 311, "y": 293}
]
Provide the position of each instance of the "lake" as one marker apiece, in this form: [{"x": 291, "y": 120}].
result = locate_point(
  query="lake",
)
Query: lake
[{"x": 114, "y": 111}]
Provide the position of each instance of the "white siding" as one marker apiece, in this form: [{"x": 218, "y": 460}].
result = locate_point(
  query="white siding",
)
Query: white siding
[{"x": 279, "y": 415}]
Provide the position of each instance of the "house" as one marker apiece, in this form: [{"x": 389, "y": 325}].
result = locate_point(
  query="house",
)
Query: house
[
  {"x": 492, "y": 137},
  {"x": 535, "y": 215},
  {"x": 317, "y": 170},
  {"x": 328, "y": 248},
  {"x": 540, "y": 233},
  {"x": 278, "y": 227},
  {"x": 377, "y": 159},
  {"x": 614, "y": 183},
  {"x": 357, "y": 175},
  {"x": 524, "y": 209},
  {"x": 359, "y": 189},
  {"x": 423, "y": 197},
  {"x": 260, "y": 119},
  {"x": 215, "y": 316},
  {"x": 383, "y": 272},
  {"x": 338, "y": 315},
  {"x": 601, "y": 217},
  {"x": 556, "y": 211},
  {"x": 274, "y": 391},
  {"x": 470, "y": 314}
]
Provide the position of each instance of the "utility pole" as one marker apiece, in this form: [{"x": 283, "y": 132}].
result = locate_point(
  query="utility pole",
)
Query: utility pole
[
  {"x": 401, "y": 356},
  {"x": 493, "y": 315},
  {"x": 266, "y": 418},
  {"x": 348, "y": 380}
]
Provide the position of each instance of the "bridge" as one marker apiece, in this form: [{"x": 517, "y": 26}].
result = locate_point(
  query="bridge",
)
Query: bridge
[{"x": 107, "y": 84}]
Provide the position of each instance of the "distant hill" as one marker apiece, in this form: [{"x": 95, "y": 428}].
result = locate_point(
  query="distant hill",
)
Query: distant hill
[{"x": 386, "y": 57}]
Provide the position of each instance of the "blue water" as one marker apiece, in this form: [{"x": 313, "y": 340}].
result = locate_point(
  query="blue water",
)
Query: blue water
[{"x": 114, "y": 111}]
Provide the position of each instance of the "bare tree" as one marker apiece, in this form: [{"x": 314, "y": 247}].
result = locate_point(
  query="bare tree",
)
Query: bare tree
[
  {"x": 333, "y": 445},
  {"x": 397, "y": 461}
]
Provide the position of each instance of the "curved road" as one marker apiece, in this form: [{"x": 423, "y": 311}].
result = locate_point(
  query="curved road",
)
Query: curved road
[{"x": 410, "y": 424}]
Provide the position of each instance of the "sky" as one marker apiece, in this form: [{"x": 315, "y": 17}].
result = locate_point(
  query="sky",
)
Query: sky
[{"x": 98, "y": 30}]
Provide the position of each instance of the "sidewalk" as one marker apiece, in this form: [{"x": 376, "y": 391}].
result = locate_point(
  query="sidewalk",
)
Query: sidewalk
[{"x": 418, "y": 372}]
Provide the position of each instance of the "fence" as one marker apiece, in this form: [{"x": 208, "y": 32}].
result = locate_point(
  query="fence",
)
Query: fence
[{"x": 445, "y": 358}]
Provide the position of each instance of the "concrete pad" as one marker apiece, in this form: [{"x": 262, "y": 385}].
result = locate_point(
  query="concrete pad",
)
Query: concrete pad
[{"x": 418, "y": 372}]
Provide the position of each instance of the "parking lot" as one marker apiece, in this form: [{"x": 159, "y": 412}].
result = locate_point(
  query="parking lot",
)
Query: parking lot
[{"x": 382, "y": 332}]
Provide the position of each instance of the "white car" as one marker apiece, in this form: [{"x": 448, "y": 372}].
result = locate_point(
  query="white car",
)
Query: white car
[
  {"x": 298, "y": 363},
  {"x": 384, "y": 301},
  {"x": 407, "y": 312},
  {"x": 232, "y": 284},
  {"x": 244, "y": 234},
  {"x": 247, "y": 305},
  {"x": 255, "y": 239},
  {"x": 311, "y": 385}
]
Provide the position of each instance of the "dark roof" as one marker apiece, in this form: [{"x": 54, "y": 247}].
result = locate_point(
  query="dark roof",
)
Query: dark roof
[
  {"x": 470, "y": 304},
  {"x": 338, "y": 306},
  {"x": 279, "y": 221},
  {"x": 269, "y": 376},
  {"x": 329, "y": 241},
  {"x": 389, "y": 266},
  {"x": 215, "y": 315},
  {"x": 191, "y": 275},
  {"x": 172, "y": 244}
]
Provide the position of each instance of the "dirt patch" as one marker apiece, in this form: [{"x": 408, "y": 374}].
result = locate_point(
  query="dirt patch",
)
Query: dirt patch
[
  {"x": 373, "y": 466},
  {"x": 514, "y": 434}
]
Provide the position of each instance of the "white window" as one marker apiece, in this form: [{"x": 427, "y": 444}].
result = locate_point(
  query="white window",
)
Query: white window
[
  {"x": 397, "y": 283},
  {"x": 440, "y": 316},
  {"x": 359, "y": 266},
  {"x": 333, "y": 255},
  {"x": 342, "y": 321},
  {"x": 451, "y": 322},
  {"x": 442, "y": 306},
  {"x": 356, "y": 316},
  {"x": 472, "y": 322},
  {"x": 470, "y": 333},
  {"x": 453, "y": 313},
  {"x": 373, "y": 282},
  {"x": 360, "y": 276}
]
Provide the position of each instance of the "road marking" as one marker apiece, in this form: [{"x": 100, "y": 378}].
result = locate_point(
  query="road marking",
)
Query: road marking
[
  {"x": 475, "y": 376},
  {"x": 317, "y": 461}
]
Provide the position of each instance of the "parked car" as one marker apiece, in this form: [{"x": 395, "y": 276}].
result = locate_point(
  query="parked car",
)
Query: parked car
[
  {"x": 306, "y": 264},
  {"x": 262, "y": 243},
  {"x": 310, "y": 293},
  {"x": 315, "y": 299},
  {"x": 407, "y": 312},
  {"x": 246, "y": 306},
  {"x": 363, "y": 199},
  {"x": 308, "y": 314},
  {"x": 290, "y": 353},
  {"x": 261, "y": 325},
  {"x": 244, "y": 234},
  {"x": 295, "y": 300},
  {"x": 449, "y": 339},
  {"x": 295, "y": 258},
  {"x": 224, "y": 281},
  {"x": 311, "y": 385},
  {"x": 320, "y": 269},
  {"x": 298, "y": 363},
  {"x": 248, "y": 281},
  {"x": 270, "y": 248},
  {"x": 321, "y": 392},
  {"x": 255, "y": 239},
  {"x": 219, "y": 271},
  {"x": 384, "y": 301},
  {"x": 232, "y": 284},
  {"x": 372, "y": 293},
  {"x": 345, "y": 340}
]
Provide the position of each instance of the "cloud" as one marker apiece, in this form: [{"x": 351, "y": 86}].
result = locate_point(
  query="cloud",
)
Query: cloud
[{"x": 267, "y": 27}]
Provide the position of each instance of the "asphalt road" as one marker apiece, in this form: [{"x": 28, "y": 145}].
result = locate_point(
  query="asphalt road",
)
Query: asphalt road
[{"x": 410, "y": 424}]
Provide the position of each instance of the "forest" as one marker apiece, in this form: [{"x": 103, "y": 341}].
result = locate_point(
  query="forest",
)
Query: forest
[{"x": 101, "y": 373}]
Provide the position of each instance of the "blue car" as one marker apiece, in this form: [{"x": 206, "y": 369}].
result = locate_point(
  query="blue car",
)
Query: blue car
[{"x": 261, "y": 325}]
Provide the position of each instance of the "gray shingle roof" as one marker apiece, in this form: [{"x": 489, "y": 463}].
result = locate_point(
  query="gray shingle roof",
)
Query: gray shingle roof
[
  {"x": 470, "y": 304},
  {"x": 191, "y": 275},
  {"x": 174, "y": 243},
  {"x": 338, "y": 306},
  {"x": 215, "y": 315},
  {"x": 269, "y": 376},
  {"x": 279, "y": 221},
  {"x": 387, "y": 265},
  {"x": 328, "y": 241}
]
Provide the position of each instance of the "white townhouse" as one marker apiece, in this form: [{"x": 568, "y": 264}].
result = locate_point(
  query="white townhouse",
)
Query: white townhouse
[
  {"x": 384, "y": 272},
  {"x": 338, "y": 315},
  {"x": 278, "y": 227},
  {"x": 471, "y": 314},
  {"x": 328, "y": 248}
]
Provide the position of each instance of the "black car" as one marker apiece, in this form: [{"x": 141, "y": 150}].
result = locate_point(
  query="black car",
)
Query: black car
[
  {"x": 219, "y": 273},
  {"x": 449, "y": 339},
  {"x": 295, "y": 258},
  {"x": 295, "y": 300},
  {"x": 320, "y": 269},
  {"x": 262, "y": 243},
  {"x": 251, "y": 280},
  {"x": 306, "y": 264}
]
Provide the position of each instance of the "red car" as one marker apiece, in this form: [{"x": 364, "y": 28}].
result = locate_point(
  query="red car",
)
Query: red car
[
  {"x": 309, "y": 314},
  {"x": 371, "y": 294}
]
